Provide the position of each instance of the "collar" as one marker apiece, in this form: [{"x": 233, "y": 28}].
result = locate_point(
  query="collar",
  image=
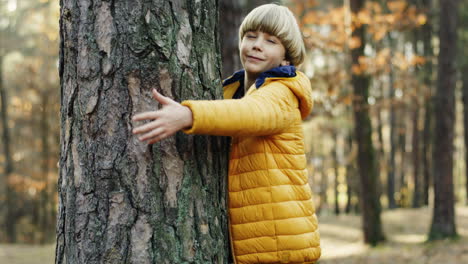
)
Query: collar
[{"x": 278, "y": 72}]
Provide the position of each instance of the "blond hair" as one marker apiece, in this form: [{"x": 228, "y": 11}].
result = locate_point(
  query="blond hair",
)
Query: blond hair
[{"x": 280, "y": 22}]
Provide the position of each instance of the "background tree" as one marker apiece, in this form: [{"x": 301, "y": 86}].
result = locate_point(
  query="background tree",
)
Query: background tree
[
  {"x": 230, "y": 18},
  {"x": 367, "y": 163},
  {"x": 443, "y": 221},
  {"x": 122, "y": 201},
  {"x": 463, "y": 66},
  {"x": 16, "y": 38}
]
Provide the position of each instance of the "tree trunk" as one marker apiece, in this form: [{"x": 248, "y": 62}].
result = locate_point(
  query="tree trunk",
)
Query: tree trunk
[
  {"x": 8, "y": 215},
  {"x": 465, "y": 121},
  {"x": 351, "y": 176},
  {"x": 428, "y": 104},
  {"x": 44, "y": 220},
  {"x": 336, "y": 172},
  {"x": 443, "y": 221},
  {"x": 463, "y": 56},
  {"x": 401, "y": 145},
  {"x": 393, "y": 134},
  {"x": 370, "y": 199},
  {"x": 120, "y": 200},
  {"x": 416, "y": 150},
  {"x": 416, "y": 159},
  {"x": 230, "y": 18}
]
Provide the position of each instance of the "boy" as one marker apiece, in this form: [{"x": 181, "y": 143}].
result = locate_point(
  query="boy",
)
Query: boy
[{"x": 271, "y": 214}]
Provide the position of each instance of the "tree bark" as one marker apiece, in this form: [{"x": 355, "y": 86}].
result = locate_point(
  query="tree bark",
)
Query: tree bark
[
  {"x": 120, "y": 200},
  {"x": 443, "y": 221},
  {"x": 367, "y": 165}
]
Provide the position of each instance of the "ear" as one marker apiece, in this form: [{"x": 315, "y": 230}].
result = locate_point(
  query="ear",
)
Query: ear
[{"x": 285, "y": 63}]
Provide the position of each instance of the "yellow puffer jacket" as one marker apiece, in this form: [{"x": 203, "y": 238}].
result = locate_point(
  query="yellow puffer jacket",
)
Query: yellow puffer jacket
[{"x": 272, "y": 217}]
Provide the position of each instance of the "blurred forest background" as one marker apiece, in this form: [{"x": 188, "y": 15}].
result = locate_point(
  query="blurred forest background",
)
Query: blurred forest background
[{"x": 399, "y": 59}]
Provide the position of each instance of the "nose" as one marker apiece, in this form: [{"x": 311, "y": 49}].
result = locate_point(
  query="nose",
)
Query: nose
[{"x": 257, "y": 45}]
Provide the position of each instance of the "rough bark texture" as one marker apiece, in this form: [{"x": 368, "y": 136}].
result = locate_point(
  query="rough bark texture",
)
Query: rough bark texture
[
  {"x": 443, "y": 221},
  {"x": 370, "y": 200},
  {"x": 120, "y": 200}
]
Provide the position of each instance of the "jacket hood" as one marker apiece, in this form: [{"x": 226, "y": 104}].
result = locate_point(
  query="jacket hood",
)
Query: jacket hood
[{"x": 295, "y": 80}]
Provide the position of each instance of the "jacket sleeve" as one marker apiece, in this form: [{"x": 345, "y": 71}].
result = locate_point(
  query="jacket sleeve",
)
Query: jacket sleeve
[{"x": 267, "y": 111}]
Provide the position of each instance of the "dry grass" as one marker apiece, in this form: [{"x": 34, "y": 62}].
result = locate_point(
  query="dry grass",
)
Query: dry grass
[{"x": 406, "y": 231}]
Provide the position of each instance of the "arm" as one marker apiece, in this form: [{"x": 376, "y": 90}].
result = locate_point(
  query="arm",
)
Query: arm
[{"x": 267, "y": 111}]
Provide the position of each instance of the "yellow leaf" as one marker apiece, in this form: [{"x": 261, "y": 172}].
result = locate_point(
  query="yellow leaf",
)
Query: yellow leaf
[
  {"x": 364, "y": 17},
  {"x": 354, "y": 43},
  {"x": 382, "y": 57},
  {"x": 356, "y": 69},
  {"x": 422, "y": 19},
  {"x": 380, "y": 34},
  {"x": 418, "y": 60},
  {"x": 397, "y": 6}
]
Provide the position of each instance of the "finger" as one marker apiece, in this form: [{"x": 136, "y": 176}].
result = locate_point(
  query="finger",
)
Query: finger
[
  {"x": 145, "y": 116},
  {"x": 153, "y": 133},
  {"x": 156, "y": 139},
  {"x": 146, "y": 127},
  {"x": 161, "y": 98}
]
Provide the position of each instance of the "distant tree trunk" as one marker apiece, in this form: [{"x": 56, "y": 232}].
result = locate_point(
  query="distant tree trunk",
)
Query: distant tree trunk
[
  {"x": 428, "y": 104},
  {"x": 370, "y": 199},
  {"x": 401, "y": 145},
  {"x": 465, "y": 120},
  {"x": 463, "y": 56},
  {"x": 415, "y": 139},
  {"x": 323, "y": 190},
  {"x": 230, "y": 18},
  {"x": 6, "y": 191},
  {"x": 443, "y": 221},
  {"x": 251, "y": 4},
  {"x": 415, "y": 154},
  {"x": 336, "y": 172},
  {"x": 44, "y": 212},
  {"x": 352, "y": 179},
  {"x": 393, "y": 135},
  {"x": 120, "y": 200}
]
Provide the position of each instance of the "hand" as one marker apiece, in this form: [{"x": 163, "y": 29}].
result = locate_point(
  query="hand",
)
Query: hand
[{"x": 171, "y": 118}]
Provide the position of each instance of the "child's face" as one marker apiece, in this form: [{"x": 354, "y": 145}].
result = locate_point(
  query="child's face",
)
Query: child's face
[{"x": 260, "y": 51}]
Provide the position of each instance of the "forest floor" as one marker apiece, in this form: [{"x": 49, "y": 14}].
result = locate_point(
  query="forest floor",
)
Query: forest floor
[{"x": 405, "y": 229}]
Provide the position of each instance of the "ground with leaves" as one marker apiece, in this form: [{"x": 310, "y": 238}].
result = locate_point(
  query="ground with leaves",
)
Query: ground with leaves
[{"x": 405, "y": 229}]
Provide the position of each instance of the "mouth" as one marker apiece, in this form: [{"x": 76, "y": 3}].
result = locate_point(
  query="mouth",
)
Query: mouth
[{"x": 254, "y": 58}]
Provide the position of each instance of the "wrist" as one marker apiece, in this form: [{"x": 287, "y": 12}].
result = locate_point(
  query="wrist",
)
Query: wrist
[{"x": 188, "y": 117}]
